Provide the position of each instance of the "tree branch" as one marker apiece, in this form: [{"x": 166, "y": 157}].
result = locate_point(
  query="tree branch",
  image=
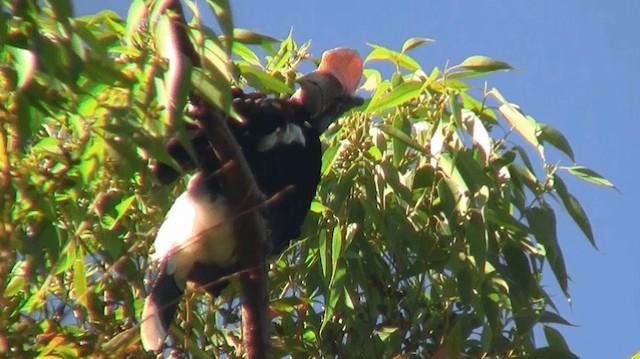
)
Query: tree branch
[{"x": 241, "y": 193}]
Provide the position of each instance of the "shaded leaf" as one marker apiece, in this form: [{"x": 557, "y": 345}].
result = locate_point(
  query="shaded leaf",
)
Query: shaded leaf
[
  {"x": 550, "y": 317},
  {"x": 574, "y": 208},
  {"x": 542, "y": 222},
  {"x": 555, "y": 138},
  {"x": 551, "y": 353},
  {"x": 555, "y": 338}
]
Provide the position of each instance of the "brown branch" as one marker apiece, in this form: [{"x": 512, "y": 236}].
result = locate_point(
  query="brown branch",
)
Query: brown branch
[{"x": 242, "y": 194}]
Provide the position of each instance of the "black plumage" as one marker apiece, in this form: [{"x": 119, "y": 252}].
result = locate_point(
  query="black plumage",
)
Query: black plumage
[{"x": 280, "y": 140}]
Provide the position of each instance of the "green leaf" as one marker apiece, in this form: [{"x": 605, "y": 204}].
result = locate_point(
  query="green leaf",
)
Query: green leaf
[
  {"x": 574, "y": 208},
  {"x": 25, "y": 63},
  {"x": 589, "y": 175},
  {"x": 397, "y": 96},
  {"x": 136, "y": 17},
  {"x": 328, "y": 158},
  {"x": 450, "y": 169},
  {"x": 556, "y": 139},
  {"x": 519, "y": 268},
  {"x": 399, "y": 59},
  {"x": 454, "y": 340},
  {"x": 551, "y": 353},
  {"x": 50, "y": 144},
  {"x": 456, "y": 111},
  {"x": 317, "y": 207},
  {"x": 385, "y": 332},
  {"x": 216, "y": 90},
  {"x": 402, "y": 137},
  {"x": 506, "y": 220},
  {"x": 550, "y": 317},
  {"x": 246, "y": 54},
  {"x": 336, "y": 251},
  {"x": 324, "y": 254},
  {"x": 414, "y": 42},
  {"x": 555, "y": 338},
  {"x": 542, "y": 222},
  {"x": 524, "y": 125},
  {"x": 222, "y": 10},
  {"x": 251, "y": 37},
  {"x": 472, "y": 172},
  {"x": 465, "y": 285},
  {"x": 476, "y": 238},
  {"x": 262, "y": 81},
  {"x": 484, "y": 64},
  {"x": 122, "y": 209},
  {"x": 80, "y": 278}
]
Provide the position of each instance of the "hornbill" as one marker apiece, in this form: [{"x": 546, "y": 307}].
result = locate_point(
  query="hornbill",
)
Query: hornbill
[{"x": 280, "y": 139}]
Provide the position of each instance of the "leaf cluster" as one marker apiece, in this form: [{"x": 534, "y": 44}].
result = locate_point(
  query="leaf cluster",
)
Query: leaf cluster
[{"x": 431, "y": 231}]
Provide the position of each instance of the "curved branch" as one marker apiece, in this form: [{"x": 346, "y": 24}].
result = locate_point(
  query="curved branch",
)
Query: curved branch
[{"x": 242, "y": 194}]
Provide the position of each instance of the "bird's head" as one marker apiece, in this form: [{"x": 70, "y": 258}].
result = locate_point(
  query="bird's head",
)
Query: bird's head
[{"x": 328, "y": 92}]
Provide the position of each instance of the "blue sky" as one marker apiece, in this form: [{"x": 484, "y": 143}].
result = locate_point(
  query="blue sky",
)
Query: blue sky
[{"x": 577, "y": 69}]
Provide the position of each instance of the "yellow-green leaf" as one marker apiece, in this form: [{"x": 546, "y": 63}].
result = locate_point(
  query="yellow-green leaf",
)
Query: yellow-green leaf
[
  {"x": 484, "y": 64},
  {"x": 399, "y": 59},
  {"x": 526, "y": 126},
  {"x": 395, "y": 97},
  {"x": 414, "y": 42}
]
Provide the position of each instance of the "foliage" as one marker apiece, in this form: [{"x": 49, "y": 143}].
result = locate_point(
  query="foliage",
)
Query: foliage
[{"x": 430, "y": 234}]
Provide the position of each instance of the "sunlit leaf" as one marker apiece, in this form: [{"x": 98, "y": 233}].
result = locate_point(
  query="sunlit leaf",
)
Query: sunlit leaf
[
  {"x": 588, "y": 175},
  {"x": 414, "y": 42},
  {"x": 401, "y": 136},
  {"x": 222, "y": 10},
  {"x": 380, "y": 53},
  {"x": 25, "y": 65},
  {"x": 262, "y": 81},
  {"x": 397, "y": 96},
  {"x": 246, "y": 54},
  {"x": 525, "y": 126},
  {"x": 80, "y": 278},
  {"x": 478, "y": 132},
  {"x": 484, "y": 64},
  {"x": 336, "y": 251},
  {"x": 251, "y": 37}
]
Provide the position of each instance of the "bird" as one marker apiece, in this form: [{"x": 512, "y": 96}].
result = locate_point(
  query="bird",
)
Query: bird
[{"x": 280, "y": 140}]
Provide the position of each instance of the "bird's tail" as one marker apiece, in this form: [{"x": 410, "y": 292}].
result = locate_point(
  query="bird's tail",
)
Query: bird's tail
[{"x": 159, "y": 310}]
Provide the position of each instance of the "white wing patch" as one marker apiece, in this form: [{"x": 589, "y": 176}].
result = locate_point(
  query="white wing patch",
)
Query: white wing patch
[
  {"x": 280, "y": 137},
  {"x": 195, "y": 229}
]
